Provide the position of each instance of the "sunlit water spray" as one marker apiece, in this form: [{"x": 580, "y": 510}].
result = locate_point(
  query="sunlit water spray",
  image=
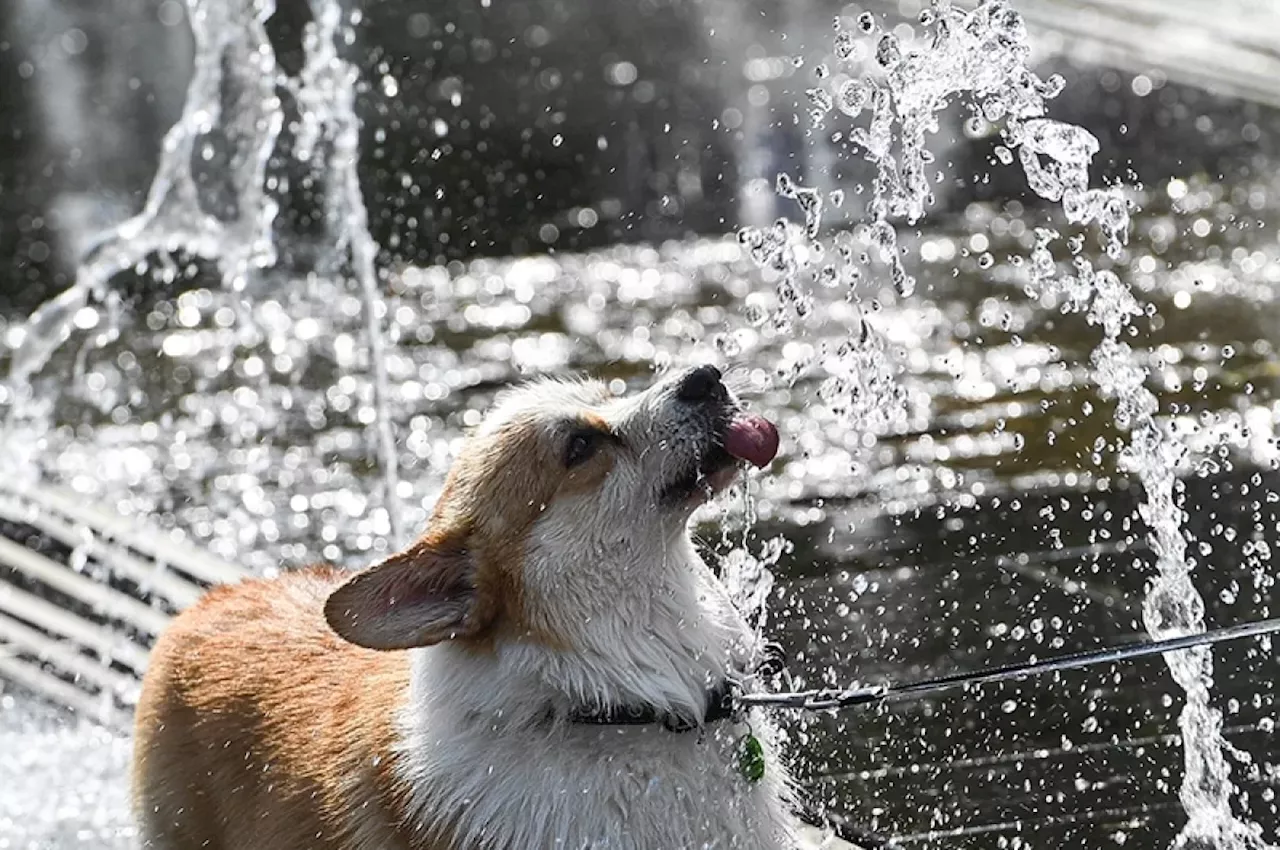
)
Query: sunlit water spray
[
  {"x": 979, "y": 60},
  {"x": 212, "y": 198}
]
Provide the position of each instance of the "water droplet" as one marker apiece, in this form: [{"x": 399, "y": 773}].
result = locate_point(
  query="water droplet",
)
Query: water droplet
[
  {"x": 727, "y": 344},
  {"x": 888, "y": 51},
  {"x": 821, "y": 100},
  {"x": 852, "y": 97},
  {"x": 844, "y": 45}
]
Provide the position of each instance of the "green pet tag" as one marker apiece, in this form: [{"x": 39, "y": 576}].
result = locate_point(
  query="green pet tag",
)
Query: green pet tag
[{"x": 750, "y": 758}]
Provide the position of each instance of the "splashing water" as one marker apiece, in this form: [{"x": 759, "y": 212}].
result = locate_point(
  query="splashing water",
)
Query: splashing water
[
  {"x": 979, "y": 58},
  {"x": 232, "y": 52},
  {"x": 232, "y": 114},
  {"x": 325, "y": 91}
]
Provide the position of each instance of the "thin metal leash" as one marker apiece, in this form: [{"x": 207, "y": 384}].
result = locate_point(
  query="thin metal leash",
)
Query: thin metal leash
[
  {"x": 825, "y": 699},
  {"x": 830, "y": 699}
]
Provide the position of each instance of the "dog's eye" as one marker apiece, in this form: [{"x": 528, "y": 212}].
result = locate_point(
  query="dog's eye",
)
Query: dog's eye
[{"x": 581, "y": 446}]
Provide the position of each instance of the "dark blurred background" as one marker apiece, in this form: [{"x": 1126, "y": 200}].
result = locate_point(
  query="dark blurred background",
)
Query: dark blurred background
[{"x": 496, "y": 127}]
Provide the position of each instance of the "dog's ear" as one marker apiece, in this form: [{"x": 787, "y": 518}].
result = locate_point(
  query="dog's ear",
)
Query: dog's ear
[{"x": 422, "y": 596}]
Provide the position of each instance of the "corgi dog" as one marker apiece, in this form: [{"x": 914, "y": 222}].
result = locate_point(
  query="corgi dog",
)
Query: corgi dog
[{"x": 550, "y": 665}]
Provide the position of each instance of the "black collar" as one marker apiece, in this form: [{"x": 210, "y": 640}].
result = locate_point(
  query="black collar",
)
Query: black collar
[{"x": 720, "y": 706}]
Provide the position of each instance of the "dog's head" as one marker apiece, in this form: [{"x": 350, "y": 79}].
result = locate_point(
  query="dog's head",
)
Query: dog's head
[{"x": 561, "y": 490}]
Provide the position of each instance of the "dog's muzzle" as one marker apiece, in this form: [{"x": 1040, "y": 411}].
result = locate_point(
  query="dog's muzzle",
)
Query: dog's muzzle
[{"x": 732, "y": 436}]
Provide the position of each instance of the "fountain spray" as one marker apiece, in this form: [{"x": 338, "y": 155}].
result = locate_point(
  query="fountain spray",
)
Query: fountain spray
[
  {"x": 980, "y": 60},
  {"x": 233, "y": 109}
]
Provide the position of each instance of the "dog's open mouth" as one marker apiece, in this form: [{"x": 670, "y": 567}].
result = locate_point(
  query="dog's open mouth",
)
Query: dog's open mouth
[{"x": 743, "y": 438}]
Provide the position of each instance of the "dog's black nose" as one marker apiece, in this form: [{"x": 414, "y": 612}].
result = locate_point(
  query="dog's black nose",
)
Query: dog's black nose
[{"x": 700, "y": 385}]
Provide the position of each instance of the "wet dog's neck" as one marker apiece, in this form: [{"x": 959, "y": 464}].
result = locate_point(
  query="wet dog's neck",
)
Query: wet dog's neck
[{"x": 652, "y": 628}]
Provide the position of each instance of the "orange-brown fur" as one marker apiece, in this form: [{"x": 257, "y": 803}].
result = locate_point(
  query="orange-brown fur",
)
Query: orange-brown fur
[
  {"x": 258, "y": 727},
  {"x": 263, "y": 729},
  {"x": 490, "y": 515}
]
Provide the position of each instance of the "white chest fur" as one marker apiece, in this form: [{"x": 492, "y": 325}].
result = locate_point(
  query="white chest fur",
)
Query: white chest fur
[
  {"x": 481, "y": 754},
  {"x": 573, "y": 786}
]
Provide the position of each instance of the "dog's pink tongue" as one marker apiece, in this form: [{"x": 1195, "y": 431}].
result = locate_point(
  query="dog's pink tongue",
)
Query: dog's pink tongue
[{"x": 752, "y": 438}]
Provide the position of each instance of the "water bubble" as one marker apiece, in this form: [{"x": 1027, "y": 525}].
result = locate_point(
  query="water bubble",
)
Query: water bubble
[{"x": 852, "y": 97}]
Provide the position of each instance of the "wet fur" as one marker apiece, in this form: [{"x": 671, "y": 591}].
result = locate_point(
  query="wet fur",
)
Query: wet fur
[{"x": 536, "y": 589}]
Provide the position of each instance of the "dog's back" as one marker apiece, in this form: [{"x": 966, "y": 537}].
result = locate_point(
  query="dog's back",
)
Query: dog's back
[{"x": 258, "y": 727}]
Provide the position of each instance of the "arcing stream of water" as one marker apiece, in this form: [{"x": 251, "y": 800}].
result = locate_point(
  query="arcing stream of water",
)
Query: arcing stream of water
[
  {"x": 980, "y": 59},
  {"x": 233, "y": 116}
]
